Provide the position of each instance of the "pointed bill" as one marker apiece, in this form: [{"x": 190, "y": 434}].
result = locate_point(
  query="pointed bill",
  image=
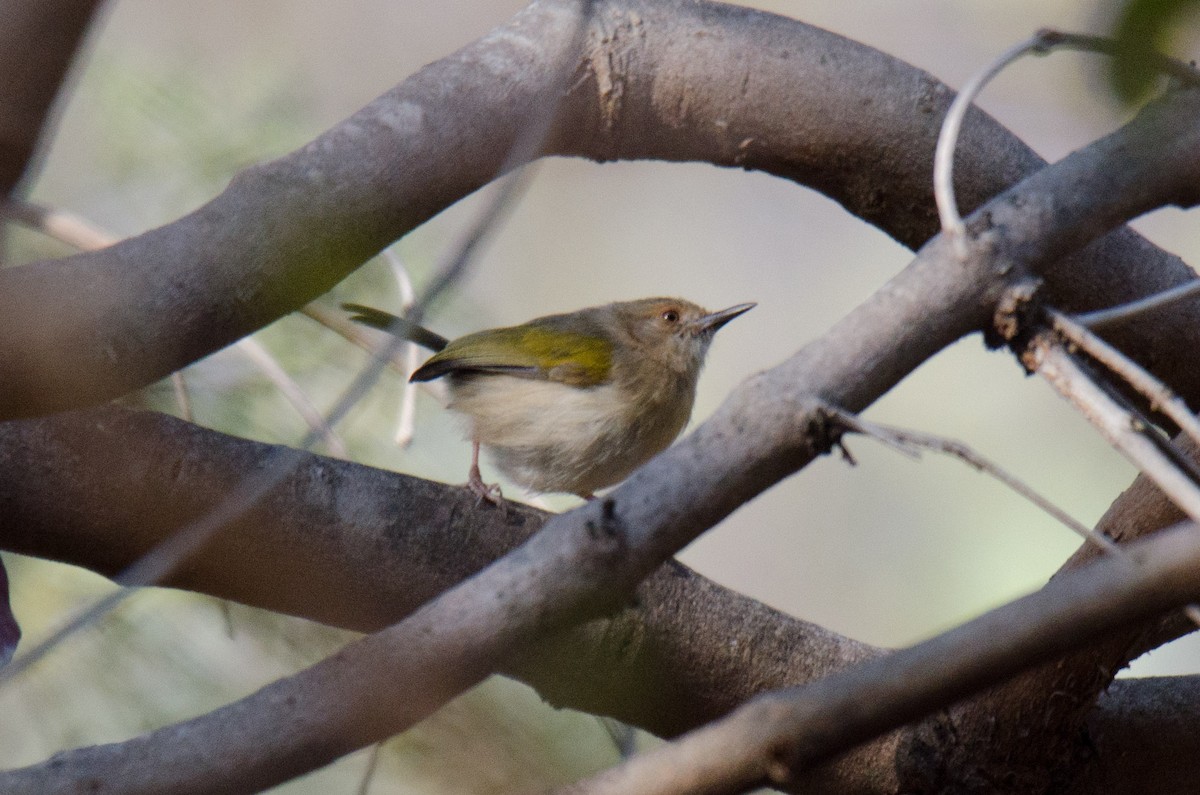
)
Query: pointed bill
[{"x": 714, "y": 320}]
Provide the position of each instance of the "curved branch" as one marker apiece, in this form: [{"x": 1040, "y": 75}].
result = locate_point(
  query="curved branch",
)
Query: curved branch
[
  {"x": 657, "y": 82},
  {"x": 361, "y": 548},
  {"x": 583, "y": 563},
  {"x": 255, "y": 261}
]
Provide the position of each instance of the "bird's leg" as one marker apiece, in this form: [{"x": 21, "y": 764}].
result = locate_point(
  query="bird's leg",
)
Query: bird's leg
[{"x": 475, "y": 481}]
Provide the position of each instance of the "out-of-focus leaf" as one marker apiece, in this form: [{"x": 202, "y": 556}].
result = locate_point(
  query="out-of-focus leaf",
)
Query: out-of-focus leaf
[
  {"x": 10, "y": 632},
  {"x": 1141, "y": 27}
]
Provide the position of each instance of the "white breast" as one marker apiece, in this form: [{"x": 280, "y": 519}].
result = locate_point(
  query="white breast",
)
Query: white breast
[{"x": 547, "y": 436}]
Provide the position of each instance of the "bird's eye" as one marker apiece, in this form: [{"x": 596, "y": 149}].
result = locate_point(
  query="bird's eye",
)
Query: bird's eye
[{"x": 671, "y": 316}]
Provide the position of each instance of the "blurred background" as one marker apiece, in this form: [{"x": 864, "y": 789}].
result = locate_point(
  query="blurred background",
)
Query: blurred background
[{"x": 172, "y": 98}]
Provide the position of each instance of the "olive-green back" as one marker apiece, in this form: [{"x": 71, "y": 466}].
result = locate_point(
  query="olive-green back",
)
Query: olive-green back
[{"x": 567, "y": 349}]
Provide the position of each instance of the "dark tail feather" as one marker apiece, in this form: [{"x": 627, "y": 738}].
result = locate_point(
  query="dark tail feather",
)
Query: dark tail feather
[{"x": 385, "y": 321}]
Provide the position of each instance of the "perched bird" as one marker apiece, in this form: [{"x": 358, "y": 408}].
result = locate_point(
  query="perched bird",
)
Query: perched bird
[{"x": 572, "y": 402}]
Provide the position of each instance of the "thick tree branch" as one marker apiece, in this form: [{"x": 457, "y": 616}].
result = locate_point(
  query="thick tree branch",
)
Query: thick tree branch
[
  {"x": 329, "y": 544},
  {"x": 584, "y": 561},
  {"x": 675, "y": 80},
  {"x": 1036, "y": 205},
  {"x": 777, "y": 738},
  {"x": 999, "y": 719},
  {"x": 38, "y": 41},
  {"x": 361, "y": 548},
  {"x": 1143, "y": 738},
  {"x": 210, "y": 285}
]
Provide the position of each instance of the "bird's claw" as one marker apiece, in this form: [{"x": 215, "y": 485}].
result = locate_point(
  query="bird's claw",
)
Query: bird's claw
[{"x": 486, "y": 493}]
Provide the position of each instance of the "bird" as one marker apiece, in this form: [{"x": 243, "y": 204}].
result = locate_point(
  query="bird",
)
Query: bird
[{"x": 571, "y": 402}]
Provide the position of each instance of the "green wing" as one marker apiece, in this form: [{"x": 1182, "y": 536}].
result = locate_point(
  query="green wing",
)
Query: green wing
[{"x": 536, "y": 350}]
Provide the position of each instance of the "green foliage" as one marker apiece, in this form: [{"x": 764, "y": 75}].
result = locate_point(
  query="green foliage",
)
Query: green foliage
[{"x": 1144, "y": 26}]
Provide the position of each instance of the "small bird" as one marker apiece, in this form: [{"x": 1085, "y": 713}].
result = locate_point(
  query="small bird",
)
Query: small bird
[{"x": 572, "y": 402}]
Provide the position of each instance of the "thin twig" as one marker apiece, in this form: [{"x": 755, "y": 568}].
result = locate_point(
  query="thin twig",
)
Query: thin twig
[
  {"x": 1123, "y": 430},
  {"x": 168, "y": 555},
  {"x": 61, "y": 225},
  {"x": 1173, "y": 67},
  {"x": 183, "y": 397},
  {"x": 943, "y": 156},
  {"x": 364, "y": 337},
  {"x": 912, "y": 442},
  {"x": 406, "y": 418},
  {"x": 1094, "y": 402},
  {"x": 1041, "y": 43},
  {"x": 364, "y": 786},
  {"x": 1105, "y": 317},
  {"x": 1160, "y": 396},
  {"x": 257, "y": 353}
]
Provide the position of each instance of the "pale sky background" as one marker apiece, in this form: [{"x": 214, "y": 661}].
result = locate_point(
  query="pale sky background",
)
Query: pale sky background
[{"x": 176, "y": 96}]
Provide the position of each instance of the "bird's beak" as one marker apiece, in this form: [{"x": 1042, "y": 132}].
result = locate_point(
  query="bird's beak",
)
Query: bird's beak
[{"x": 714, "y": 320}]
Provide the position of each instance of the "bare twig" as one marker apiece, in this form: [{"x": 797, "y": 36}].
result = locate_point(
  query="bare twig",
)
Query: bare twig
[
  {"x": 912, "y": 442},
  {"x": 1185, "y": 73},
  {"x": 943, "y": 156},
  {"x": 1160, "y": 396},
  {"x": 257, "y": 353},
  {"x": 59, "y": 224},
  {"x": 362, "y": 336},
  {"x": 166, "y": 557},
  {"x": 406, "y": 418},
  {"x": 183, "y": 397},
  {"x": 1040, "y": 43},
  {"x": 1116, "y": 314},
  {"x": 364, "y": 786},
  {"x": 1123, "y": 430}
]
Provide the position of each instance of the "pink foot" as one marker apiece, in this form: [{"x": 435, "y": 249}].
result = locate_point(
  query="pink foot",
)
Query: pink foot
[{"x": 482, "y": 491}]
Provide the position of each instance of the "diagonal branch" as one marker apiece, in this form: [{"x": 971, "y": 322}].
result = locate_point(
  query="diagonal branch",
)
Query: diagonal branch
[
  {"x": 655, "y": 84},
  {"x": 779, "y": 737},
  {"x": 583, "y": 563},
  {"x": 361, "y": 548},
  {"x": 655, "y": 502},
  {"x": 912, "y": 442}
]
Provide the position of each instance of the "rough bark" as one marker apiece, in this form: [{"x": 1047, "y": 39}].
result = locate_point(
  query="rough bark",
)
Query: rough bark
[
  {"x": 670, "y": 80},
  {"x": 673, "y": 80},
  {"x": 360, "y": 548}
]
